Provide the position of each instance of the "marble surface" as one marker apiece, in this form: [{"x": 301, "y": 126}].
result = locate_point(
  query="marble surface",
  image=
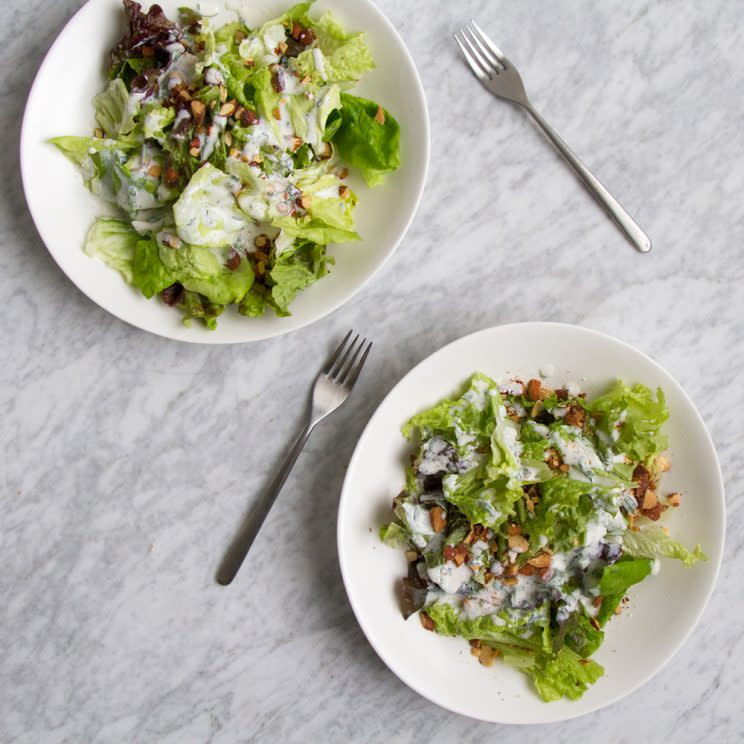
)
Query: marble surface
[{"x": 128, "y": 460}]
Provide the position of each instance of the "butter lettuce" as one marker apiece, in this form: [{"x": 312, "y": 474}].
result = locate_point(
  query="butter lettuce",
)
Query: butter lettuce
[
  {"x": 114, "y": 242},
  {"x": 652, "y": 542},
  {"x": 116, "y": 109}
]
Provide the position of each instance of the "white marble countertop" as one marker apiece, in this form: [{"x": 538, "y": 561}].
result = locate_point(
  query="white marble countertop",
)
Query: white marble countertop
[{"x": 129, "y": 459}]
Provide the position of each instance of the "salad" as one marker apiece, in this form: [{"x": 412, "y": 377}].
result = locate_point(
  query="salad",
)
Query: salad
[
  {"x": 224, "y": 153},
  {"x": 527, "y": 514}
]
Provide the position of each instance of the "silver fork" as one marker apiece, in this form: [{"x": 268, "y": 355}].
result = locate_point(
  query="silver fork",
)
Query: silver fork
[
  {"x": 499, "y": 76},
  {"x": 332, "y": 387}
]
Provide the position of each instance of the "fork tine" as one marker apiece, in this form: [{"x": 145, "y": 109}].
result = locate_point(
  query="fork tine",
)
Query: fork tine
[
  {"x": 327, "y": 366},
  {"x": 485, "y": 65},
  {"x": 477, "y": 37},
  {"x": 483, "y": 36},
  {"x": 472, "y": 64},
  {"x": 355, "y": 372},
  {"x": 339, "y": 365},
  {"x": 343, "y": 374}
]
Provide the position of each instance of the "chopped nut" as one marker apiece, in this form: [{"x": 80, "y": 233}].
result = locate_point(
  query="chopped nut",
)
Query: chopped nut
[
  {"x": 250, "y": 62},
  {"x": 488, "y": 577},
  {"x": 426, "y": 621},
  {"x": 530, "y": 504},
  {"x": 411, "y": 555},
  {"x": 436, "y": 514},
  {"x": 380, "y": 115},
  {"x": 276, "y": 113},
  {"x": 655, "y": 512},
  {"x": 618, "y": 609},
  {"x": 228, "y": 139},
  {"x": 540, "y": 561},
  {"x": 527, "y": 570},
  {"x": 545, "y": 392},
  {"x": 171, "y": 176},
  {"x": 306, "y": 201},
  {"x": 661, "y": 464},
  {"x": 509, "y": 581},
  {"x": 343, "y": 191},
  {"x": 642, "y": 477},
  {"x": 223, "y": 93},
  {"x": 226, "y": 109},
  {"x": 183, "y": 93},
  {"x": 458, "y": 553},
  {"x": 510, "y": 570},
  {"x": 154, "y": 170},
  {"x": 561, "y": 394},
  {"x": 594, "y": 622},
  {"x": 673, "y": 499},
  {"x": 296, "y": 143},
  {"x": 234, "y": 153},
  {"x": 194, "y": 152},
  {"x": 563, "y": 468},
  {"x": 518, "y": 543},
  {"x": 344, "y": 173},
  {"x": 649, "y": 500},
  {"x": 475, "y": 651},
  {"x": 583, "y": 662},
  {"x": 233, "y": 260},
  {"x": 277, "y": 78},
  {"x": 487, "y": 655},
  {"x": 576, "y": 416},
  {"x": 475, "y": 643},
  {"x": 147, "y": 51},
  {"x": 248, "y": 118},
  {"x": 533, "y": 389},
  {"x": 198, "y": 109},
  {"x": 260, "y": 241},
  {"x": 513, "y": 529},
  {"x": 552, "y": 458},
  {"x": 99, "y": 133}
]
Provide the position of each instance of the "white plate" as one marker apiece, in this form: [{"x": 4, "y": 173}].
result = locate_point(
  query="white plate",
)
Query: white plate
[
  {"x": 663, "y": 610},
  {"x": 60, "y": 104}
]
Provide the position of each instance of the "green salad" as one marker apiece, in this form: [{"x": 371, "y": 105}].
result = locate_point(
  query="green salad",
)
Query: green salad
[
  {"x": 224, "y": 153},
  {"x": 526, "y": 516}
]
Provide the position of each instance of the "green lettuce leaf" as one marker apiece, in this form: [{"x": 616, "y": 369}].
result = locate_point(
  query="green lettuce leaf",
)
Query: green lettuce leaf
[
  {"x": 632, "y": 418},
  {"x": 580, "y": 635},
  {"x": 115, "y": 110},
  {"x": 149, "y": 274},
  {"x": 652, "y": 542},
  {"x": 362, "y": 141},
  {"x": 394, "y": 535},
  {"x": 196, "y": 306},
  {"x": 616, "y": 580},
  {"x": 114, "y": 242},
  {"x": 294, "y": 271}
]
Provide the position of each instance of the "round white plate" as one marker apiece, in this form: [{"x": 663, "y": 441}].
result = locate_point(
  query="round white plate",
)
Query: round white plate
[
  {"x": 62, "y": 208},
  {"x": 663, "y": 610}
]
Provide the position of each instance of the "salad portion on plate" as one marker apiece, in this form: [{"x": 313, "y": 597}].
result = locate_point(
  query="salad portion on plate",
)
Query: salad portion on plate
[
  {"x": 224, "y": 152},
  {"x": 527, "y": 514}
]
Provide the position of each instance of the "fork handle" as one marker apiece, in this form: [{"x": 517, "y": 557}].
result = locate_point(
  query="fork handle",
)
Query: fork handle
[
  {"x": 240, "y": 546},
  {"x": 629, "y": 227}
]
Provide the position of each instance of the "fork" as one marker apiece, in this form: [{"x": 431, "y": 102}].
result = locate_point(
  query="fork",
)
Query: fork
[
  {"x": 332, "y": 387},
  {"x": 499, "y": 76}
]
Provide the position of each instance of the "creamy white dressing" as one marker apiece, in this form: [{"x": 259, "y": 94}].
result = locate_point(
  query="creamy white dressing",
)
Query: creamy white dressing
[
  {"x": 511, "y": 387},
  {"x": 449, "y": 576},
  {"x": 547, "y": 370},
  {"x": 437, "y": 456},
  {"x": 319, "y": 63},
  {"x": 576, "y": 449}
]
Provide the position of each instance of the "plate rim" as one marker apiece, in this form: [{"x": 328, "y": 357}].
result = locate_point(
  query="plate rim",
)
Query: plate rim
[
  {"x": 715, "y": 559},
  {"x": 213, "y": 338}
]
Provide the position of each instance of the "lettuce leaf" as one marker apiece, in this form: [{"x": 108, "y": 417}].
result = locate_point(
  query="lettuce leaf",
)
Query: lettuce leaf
[
  {"x": 196, "y": 306},
  {"x": 115, "y": 112},
  {"x": 632, "y": 418},
  {"x": 394, "y": 535},
  {"x": 114, "y": 242},
  {"x": 616, "y": 580},
  {"x": 149, "y": 274},
  {"x": 652, "y": 542},
  {"x": 362, "y": 141},
  {"x": 294, "y": 271}
]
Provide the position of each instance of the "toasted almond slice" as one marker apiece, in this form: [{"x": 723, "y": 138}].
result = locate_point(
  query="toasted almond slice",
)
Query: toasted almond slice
[
  {"x": 276, "y": 113},
  {"x": 194, "y": 152},
  {"x": 649, "y": 500},
  {"x": 509, "y": 581},
  {"x": 518, "y": 543},
  {"x": 411, "y": 555},
  {"x": 540, "y": 561},
  {"x": 223, "y": 93},
  {"x": 198, "y": 108},
  {"x": 380, "y": 115},
  {"x": 436, "y": 514},
  {"x": 227, "y": 108},
  {"x": 673, "y": 499},
  {"x": 513, "y": 529},
  {"x": 426, "y": 621},
  {"x": 343, "y": 191},
  {"x": 154, "y": 171}
]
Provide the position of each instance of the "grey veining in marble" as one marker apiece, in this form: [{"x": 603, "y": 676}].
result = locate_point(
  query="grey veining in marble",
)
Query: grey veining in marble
[{"x": 127, "y": 459}]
